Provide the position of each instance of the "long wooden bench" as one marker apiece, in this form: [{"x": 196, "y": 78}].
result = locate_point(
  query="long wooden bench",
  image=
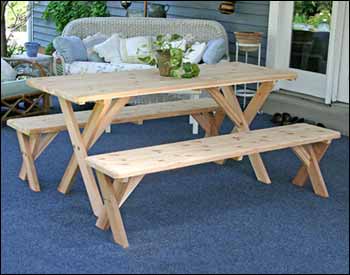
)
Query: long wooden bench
[
  {"x": 119, "y": 173},
  {"x": 36, "y": 133}
]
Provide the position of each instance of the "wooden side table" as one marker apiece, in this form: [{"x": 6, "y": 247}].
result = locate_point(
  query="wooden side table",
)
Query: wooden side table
[{"x": 43, "y": 61}]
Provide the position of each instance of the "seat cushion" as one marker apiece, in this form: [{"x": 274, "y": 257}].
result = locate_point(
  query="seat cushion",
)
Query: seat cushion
[
  {"x": 7, "y": 72},
  {"x": 16, "y": 88},
  {"x": 100, "y": 67}
]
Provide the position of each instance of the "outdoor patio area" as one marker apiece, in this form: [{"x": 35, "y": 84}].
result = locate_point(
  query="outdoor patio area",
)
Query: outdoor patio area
[{"x": 202, "y": 219}]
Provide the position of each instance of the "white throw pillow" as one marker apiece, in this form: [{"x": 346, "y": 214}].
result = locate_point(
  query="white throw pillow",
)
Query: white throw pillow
[
  {"x": 195, "y": 54},
  {"x": 90, "y": 42},
  {"x": 110, "y": 49},
  {"x": 133, "y": 48},
  {"x": 181, "y": 44},
  {"x": 7, "y": 72}
]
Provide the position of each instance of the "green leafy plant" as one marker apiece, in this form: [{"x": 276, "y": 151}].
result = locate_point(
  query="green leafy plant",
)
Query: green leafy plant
[
  {"x": 300, "y": 19},
  {"x": 49, "y": 50},
  {"x": 310, "y": 8},
  {"x": 323, "y": 17},
  {"x": 62, "y": 12},
  {"x": 312, "y": 13},
  {"x": 13, "y": 49},
  {"x": 168, "y": 55}
]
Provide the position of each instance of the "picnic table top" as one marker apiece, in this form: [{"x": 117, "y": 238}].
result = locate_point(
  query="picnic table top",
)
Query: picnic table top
[{"x": 104, "y": 86}]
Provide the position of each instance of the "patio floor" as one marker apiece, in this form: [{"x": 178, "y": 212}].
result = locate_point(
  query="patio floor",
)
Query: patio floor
[{"x": 203, "y": 219}]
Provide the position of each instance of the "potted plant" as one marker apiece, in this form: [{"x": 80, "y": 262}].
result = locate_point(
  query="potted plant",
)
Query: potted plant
[{"x": 167, "y": 54}]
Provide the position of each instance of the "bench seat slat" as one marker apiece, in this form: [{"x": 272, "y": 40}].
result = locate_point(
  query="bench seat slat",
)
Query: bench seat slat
[
  {"x": 154, "y": 159},
  {"x": 55, "y": 122}
]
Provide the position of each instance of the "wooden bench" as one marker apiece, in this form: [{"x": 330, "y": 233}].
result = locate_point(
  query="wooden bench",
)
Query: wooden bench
[
  {"x": 36, "y": 133},
  {"x": 119, "y": 173}
]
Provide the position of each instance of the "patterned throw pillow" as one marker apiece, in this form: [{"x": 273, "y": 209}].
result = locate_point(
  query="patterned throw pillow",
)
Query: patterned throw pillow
[
  {"x": 92, "y": 41},
  {"x": 7, "y": 72},
  {"x": 133, "y": 48},
  {"x": 110, "y": 49},
  {"x": 71, "y": 48}
]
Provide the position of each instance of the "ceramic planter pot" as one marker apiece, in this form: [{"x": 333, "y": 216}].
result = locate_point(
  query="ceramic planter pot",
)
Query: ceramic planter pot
[
  {"x": 164, "y": 63},
  {"x": 32, "y": 48},
  {"x": 249, "y": 38}
]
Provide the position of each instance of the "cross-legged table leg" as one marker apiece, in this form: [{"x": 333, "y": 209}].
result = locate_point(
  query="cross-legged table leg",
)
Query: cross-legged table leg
[
  {"x": 100, "y": 118},
  {"x": 258, "y": 101},
  {"x": 231, "y": 106},
  {"x": 98, "y": 112}
]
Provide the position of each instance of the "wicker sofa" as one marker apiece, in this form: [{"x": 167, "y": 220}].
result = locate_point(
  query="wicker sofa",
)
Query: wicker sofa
[{"x": 201, "y": 30}]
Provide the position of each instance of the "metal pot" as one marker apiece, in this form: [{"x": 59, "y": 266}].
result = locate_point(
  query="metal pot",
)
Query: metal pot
[{"x": 158, "y": 10}]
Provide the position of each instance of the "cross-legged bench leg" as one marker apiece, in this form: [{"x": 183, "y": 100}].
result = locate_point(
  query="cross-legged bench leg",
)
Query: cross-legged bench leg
[
  {"x": 101, "y": 116},
  {"x": 302, "y": 175},
  {"x": 111, "y": 196},
  {"x": 122, "y": 195},
  {"x": 28, "y": 161},
  {"x": 307, "y": 154},
  {"x": 33, "y": 143},
  {"x": 38, "y": 145},
  {"x": 234, "y": 112},
  {"x": 211, "y": 123}
]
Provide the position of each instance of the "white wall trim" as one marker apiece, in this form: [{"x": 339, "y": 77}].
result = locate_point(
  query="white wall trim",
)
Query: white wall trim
[
  {"x": 274, "y": 18},
  {"x": 335, "y": 51}
]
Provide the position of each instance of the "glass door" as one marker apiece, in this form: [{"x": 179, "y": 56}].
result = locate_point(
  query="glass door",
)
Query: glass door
[{"x": 305, "y": 42}]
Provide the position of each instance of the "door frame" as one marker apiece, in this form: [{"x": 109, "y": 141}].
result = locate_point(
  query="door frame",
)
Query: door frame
[{"x": 278, "y": 20}]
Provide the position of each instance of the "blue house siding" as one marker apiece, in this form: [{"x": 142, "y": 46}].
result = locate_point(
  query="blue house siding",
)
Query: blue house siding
[{"x": 249, "y": 16}]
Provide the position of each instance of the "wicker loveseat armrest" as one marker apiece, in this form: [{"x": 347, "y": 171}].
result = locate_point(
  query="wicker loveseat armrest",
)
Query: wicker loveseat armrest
[{"x": 58, "y": 64}]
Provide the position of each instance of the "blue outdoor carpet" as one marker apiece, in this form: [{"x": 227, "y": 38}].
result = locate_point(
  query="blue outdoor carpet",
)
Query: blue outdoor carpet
[{"x": 202, "y": 219}]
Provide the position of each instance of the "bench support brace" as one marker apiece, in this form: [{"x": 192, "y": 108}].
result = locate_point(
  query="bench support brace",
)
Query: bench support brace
[
  {"x": 311, "y": 155},
  {"x": 111, "y": 195},
  {"x": 38, "y": 144},
  {"x": 122, "y": 191},
  {"x": 28, "y": 160}
]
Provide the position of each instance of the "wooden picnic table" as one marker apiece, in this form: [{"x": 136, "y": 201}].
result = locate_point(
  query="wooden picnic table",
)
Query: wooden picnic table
[{"x": 112, "y": 91}]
